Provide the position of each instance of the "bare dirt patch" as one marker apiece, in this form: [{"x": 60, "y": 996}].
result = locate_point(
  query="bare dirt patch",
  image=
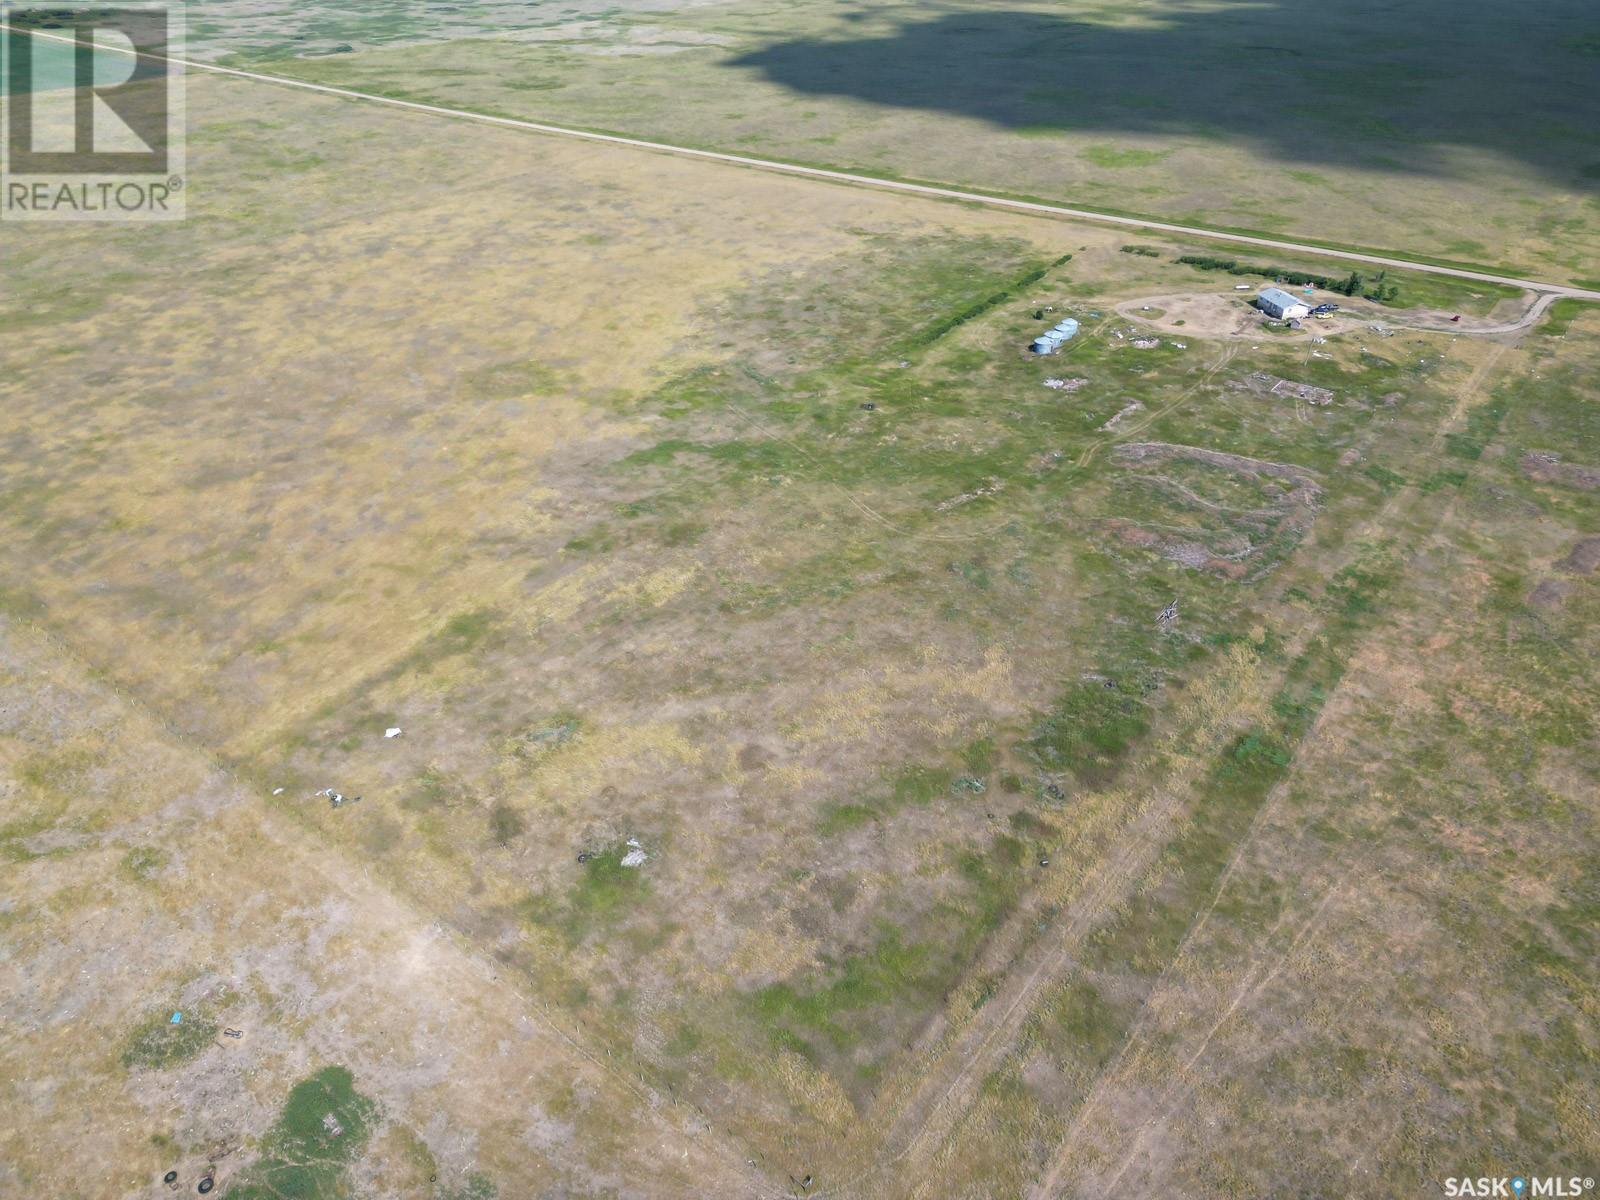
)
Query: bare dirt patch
[
  {"x": 1202, "y": 315},
  {"x": 1583, "y": 558},
  {"x": 1550, "y": 595},
  {"x": 1542, "y": 466}
]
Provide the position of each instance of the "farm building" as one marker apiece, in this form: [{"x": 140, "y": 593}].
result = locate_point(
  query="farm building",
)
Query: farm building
[{"x": 1276, "y": 302}]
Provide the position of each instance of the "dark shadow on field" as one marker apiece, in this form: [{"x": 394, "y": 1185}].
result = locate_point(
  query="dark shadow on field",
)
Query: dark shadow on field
[{"x": 1362, "y": 82}]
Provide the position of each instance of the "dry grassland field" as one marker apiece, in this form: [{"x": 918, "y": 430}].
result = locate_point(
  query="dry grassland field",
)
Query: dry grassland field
[
  {"x": 1460, "y": 129},
  {"x": 536, "y": 668}
]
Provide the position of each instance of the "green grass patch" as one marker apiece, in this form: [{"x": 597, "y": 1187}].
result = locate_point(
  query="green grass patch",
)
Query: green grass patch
[
  {"x": 972, "y": 311},
  {"x": 862, "y": 998},
  {"x": 157, "y": 1044},
  {"x": 920, "y": 785},
  {"x": 323, "y": 1127},
  {"x": 1442, "y": 478},
  {"x": 605, "y": 892},
  {"x": 892, "y": 969},
  {"x": 1122, "y": 156},
  {"x": 1090, "y": 729},
  {"x": 1482, "y": 422},
  {"x": 1094, "y": 1028},
  {"x": 461, "y": 634},
  {"x": 1386, "y": 479},
  {"x": 143, "y": 863},
  {"x": 1558, "y": 320},
  {"x": 841, "y": 818},
  {"x": 979, "y": 756}
]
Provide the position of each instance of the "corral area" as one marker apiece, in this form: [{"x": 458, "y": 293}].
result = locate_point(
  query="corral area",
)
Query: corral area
[{"x": 786, "y": 736}]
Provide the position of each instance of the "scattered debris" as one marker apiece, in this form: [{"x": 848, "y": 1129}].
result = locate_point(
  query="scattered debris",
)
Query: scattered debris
[
  {"x": 636, "y": 856},
  {"x": 1181, "y": 345},
  {"x": 1543, "y": 467},
  {"x": 206, "y": 1185},
  {"x": 392, "y": 732},
  {"x": 868, "y": 406},
  {"x": 233, "y": 1033},
  {"x": 177, "y": 1019},
  {"x": 584, "y": 856},
  {"x": 1168, "y": 615},
  {"x": 1145, "y": 343},
  {"x": 1132, "y": 406},
  {"x": 550, "y": 736},
  {"x": 277, "y": 791},
  {"x": 337, "y": 799},
  {"x": 988, "y": 489},
  {"x": 170, "y": 1177},
  {"x": 1053, "y": 792},
  {"x": 1304, "y": 391},
  {"x": 1065, "y": 385},
  {"x": 331, "y": 1124},
  {"x": 1044, "y": 862},
  {"x": 971, "y": 783},
  {"x": 1259, "y": 380}
]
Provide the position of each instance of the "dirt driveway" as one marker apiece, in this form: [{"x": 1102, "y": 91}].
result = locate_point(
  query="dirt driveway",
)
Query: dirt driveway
[{"x": 1230, "y": 314}]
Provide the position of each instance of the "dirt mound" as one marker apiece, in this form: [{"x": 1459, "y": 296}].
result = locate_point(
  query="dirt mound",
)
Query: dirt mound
[
  {"x": 1583, "y": 558},
  {"x": 1550, "y": 595},
  {"x": 1543, "y": 467}
]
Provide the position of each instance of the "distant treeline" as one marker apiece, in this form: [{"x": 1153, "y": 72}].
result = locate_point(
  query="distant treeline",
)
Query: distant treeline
[
  {"x": 1353, "y": 284},
  {"x": 934, "y": 332}
]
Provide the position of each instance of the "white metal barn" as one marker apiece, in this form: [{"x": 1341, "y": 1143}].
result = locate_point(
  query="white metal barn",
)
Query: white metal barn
[{"x": 1276, "y": 302}]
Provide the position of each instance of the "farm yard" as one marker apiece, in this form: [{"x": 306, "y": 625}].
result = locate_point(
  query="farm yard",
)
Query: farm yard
[{"x": 560, "y": 670}]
